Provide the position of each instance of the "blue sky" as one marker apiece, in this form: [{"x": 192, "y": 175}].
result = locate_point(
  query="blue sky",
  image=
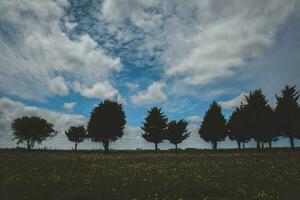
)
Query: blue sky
[{"x": 60, "y": 58}]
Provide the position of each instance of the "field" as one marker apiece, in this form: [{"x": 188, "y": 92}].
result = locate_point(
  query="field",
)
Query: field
[{"x": 203, "y": 174}]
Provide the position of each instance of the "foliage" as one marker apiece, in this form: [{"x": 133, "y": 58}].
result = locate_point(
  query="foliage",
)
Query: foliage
[
  {"x": 261, "y": 124},
  {"x": 288, "y": 114},
  {"x": 213, "y": 127},
  {"x": 177, "y": 132},
  {"x": 76, "y": 134},
  {"x": 237, "y": 126},
  {"x": 107, "y": 122},
  {"x": 31, "y": 130},
  {"x": 155, "y": 126}
]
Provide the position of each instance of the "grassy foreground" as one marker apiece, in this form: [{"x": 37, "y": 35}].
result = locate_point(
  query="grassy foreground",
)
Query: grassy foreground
[{"x": 224, "y": 174}]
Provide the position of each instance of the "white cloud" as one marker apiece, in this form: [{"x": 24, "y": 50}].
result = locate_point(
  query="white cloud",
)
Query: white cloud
[
  {"x": 120, "y": 10},
  {"x": 10, "y": 110},
  {"x": 34, "y": 49},
  {"x": 232, "y": 103},
  {"x": 101, "y": 90},
  {"x": 132, "y": 86},
  {"x": 202, "y": 42},
  {"x": 153, "y": 94},
  {"x": 198, "y": 42},
  {"x": 58, "y": 86},
  {"x": 193, "y": 118},
  {"x": 70, "y": 25},
  {"x": 222, "y": 36},
  {"x": 69, "y": 105}
]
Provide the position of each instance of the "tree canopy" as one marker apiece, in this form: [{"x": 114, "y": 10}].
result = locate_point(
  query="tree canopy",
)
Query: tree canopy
[
  {"x": 288, "y": 113},
  {"x": 107, "y": 123},
  {"x": 237, "y": 126},
  {"x": 155, "y": 126},
  {"x": 31, "y": 130},
  {"x": 76, "y": 134},
  {"x": 213, "y": 127},
  {"x": 177, "y": 132},
  {"x": 261, "y": 124}
]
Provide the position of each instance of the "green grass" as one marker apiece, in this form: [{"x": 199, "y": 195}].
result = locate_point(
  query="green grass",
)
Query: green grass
[{"x": 224, "y": 174}]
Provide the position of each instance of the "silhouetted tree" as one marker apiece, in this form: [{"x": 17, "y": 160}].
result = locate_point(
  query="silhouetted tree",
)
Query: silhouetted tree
[
  {"x": 261, "y": 125},
  {"x": 155, "y": 126},
  {"x": 31, "y": 130},
  {"x": 287, "y": 112},
  {"x": 177, "y": 132},
  {"x": 237, "y": 126},
  {"x": 271, "y": 132},
  {"x": 76, "y": 134},
  {"x": 213, "y": 127},
  {"x": 107, "y": 123},
  {"x": 296, "y": 128}
]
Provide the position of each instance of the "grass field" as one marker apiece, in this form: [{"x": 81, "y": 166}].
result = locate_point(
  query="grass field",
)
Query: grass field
[{"x": 224, "y": 174}]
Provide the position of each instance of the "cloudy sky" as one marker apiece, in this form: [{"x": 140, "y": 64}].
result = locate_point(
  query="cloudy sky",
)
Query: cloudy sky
[{"x": 60, "y": 58}]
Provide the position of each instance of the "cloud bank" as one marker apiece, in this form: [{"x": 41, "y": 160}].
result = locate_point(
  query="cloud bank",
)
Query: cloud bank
[{"x": 35, "y": 49}]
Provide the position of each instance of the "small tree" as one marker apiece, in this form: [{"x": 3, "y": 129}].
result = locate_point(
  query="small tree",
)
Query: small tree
[
  {"x": 31, "y": 130},
  {"x": 287, "y": 112},
  {"x": 155, "y": 126},
  {"x": 213, "y": 127},
  {"x": 107, "y": 123},
  {"x": 237, "y": 126},
  {"x": 76, "y": 134},
  {"x": 177, "y": 132}
]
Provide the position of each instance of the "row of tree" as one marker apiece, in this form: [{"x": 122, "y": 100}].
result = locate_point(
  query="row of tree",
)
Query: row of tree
[
  {"x": 254, "y": 119},
  {"x": 156, "y": 129}
]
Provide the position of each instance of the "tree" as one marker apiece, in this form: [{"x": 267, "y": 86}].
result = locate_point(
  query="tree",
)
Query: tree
[
  {"x": 31, "y": 130},
  {"x": 287, "y": 113},
  {"x": 213, "y": 127},
  {"x": 177, "y": 132},
  {"x": 107, "y": 123},
  {"x": 155, "y": 126},
  {"x": 261, "y": 125},
  {"x": 76, "y": 134},
  {"x": 237, "y": 126}
]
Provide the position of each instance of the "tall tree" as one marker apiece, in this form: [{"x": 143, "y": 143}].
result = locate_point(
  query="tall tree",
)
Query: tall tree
[
  {"x": 287, "y": 112},
  {"x": 237, "y": 126},
  {"x": 261, "y": 125},
  {"x": 213, "y": 127},
  {"x": 31, "y": 130},
  {"x": 76, "y": 134},
  {"x": 107, "y": 123},
  {"x": 177, "y": 132},
  {"x": 155, "y": 126}
]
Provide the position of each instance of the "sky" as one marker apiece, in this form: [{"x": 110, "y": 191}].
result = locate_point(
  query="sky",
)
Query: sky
[{"x": 60, "y": 58}]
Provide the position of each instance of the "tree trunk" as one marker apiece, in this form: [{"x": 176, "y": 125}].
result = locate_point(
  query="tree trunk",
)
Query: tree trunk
[
  {"x": 239, "y": 144},
  {"x": 29, "y": 144},
  {"x": 214, "y": 144},
  {"x": 243, "y": 145},
  {"x": 156, "y": 148},
  {"x": 176, "y": 147},
  {"x": 76, "y": 146},
  {"x": 106, "y": 145},
  {"x": 262, "y": 145},
  {"x": 292, "y": 143},
  {"x": 258, "y": 144},
  {"x": 270, "y": 144}
]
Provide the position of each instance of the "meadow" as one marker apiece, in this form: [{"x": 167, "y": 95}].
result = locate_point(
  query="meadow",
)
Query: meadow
[{"x": 198, "y": 174}]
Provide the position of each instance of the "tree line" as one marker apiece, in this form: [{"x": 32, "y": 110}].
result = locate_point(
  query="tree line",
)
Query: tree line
[{"x": 254, "y": 119}]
